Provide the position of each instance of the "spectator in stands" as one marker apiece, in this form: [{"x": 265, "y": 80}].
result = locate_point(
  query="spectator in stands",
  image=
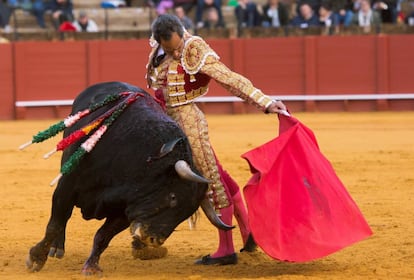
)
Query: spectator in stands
[
  {"x": 344, "y": 11},
  {"x": 5, "y": 14},
  {"x": 109, "y": 4},
  {"x": 387, "y": 10},
  {"x": 185, "y": 20},
  {"x": 247, "y": 14},
  {"x": 38, "y": 10},
  {"x": 328, "y": 18},
  {"x": 162, "y": 6},
  {"x": 306, "y": 17},
  {"x": 314, "y": 4},
  {"x": 401, "y": 11},
  {"x": 409, "y": 18},
  {"x": 366, "y": 17},
  {"x": 275, "y": 14},
  {"x": 66, "y": 25},
  {"x": 62, "y": 11},
  {"x": 206, "y": 5},
  {"x": 85, "y": 24},
  {"x": 186, "y": 4},
  {"x": 212, "y": 19},
  {"x": 34, "y": 7}
]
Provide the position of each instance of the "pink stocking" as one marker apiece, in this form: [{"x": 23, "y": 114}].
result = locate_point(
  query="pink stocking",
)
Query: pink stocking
[
  {"x": 225, "y": 237},
  {"x": 240, "y": 213}
]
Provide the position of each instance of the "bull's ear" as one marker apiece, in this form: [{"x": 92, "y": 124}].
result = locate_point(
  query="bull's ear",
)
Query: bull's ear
[
  {"x": 165, "y": 149},
  {"x": 168, "y": 147}
]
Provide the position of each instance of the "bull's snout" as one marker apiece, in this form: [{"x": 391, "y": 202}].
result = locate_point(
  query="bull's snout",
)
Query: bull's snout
[
  {"x": 138, "y": 231},
  {"x": 154, "y": 241}
]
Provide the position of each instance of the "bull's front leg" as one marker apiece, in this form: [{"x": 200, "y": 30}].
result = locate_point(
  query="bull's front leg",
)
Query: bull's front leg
[
  {"x": 111, "y": 227},
  {"x": 62, "y": 206},
  {"x": 38, "y": 254}
]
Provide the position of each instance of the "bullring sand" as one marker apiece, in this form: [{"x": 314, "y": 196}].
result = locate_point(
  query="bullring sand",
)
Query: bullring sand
[{"x": 372, "y": 153}]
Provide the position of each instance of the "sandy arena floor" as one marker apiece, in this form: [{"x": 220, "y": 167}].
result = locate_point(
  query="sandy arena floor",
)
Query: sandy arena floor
[{"x": 373, "y": 154}]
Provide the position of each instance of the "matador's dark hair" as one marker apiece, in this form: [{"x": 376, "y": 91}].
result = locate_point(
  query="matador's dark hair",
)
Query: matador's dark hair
[{"x": 165, "y": 25}]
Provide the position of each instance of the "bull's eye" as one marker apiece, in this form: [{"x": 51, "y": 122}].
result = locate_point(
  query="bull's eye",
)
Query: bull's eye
[{"x": 173, "y": 200}]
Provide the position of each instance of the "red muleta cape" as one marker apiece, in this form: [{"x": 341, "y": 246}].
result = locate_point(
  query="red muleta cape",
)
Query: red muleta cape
[{"x": 299, "y": 210}]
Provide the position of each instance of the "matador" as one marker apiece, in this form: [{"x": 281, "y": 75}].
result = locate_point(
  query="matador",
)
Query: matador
[{"x": 179, "y": 70}]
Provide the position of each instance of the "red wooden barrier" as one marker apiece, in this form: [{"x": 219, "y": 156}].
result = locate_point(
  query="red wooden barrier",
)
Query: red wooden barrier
[
  {"x": 296, "y": 67},
  {"x": 400, "y": 69},
  {"x": 49, "y": 71},
  {"x": 6, "y": 82},
  {"x": 118, "y": 61},
  {"x": 400, "y": 63}
]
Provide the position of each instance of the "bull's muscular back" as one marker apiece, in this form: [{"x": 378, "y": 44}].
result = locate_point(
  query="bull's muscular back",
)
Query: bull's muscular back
[
  {"x": 117, "y": 170},
  {"x": 123, "y": 178}
]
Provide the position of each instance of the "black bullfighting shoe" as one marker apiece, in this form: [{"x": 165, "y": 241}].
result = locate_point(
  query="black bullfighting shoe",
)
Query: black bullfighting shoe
[
  {"x": 208, "y": 260},
  {"x": 250, "y": 245}
]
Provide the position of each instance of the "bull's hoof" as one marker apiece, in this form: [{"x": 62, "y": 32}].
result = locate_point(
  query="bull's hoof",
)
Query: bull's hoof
[
  {"x": 34, "y": 265},
  {"x": 91, "y": 269},
  {"x": 149, "y": 253},
  {"x": 56, "y": 252}
]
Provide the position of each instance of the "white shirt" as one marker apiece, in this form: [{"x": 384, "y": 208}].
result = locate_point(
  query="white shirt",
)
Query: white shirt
[
  {"x": 364, "y": 19},
  {"x": 274, "y": 15},
  {"x": 91, "y": 27}
]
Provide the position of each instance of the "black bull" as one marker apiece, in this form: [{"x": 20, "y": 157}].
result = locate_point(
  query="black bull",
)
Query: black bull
[{"x": 136, "y": 176}]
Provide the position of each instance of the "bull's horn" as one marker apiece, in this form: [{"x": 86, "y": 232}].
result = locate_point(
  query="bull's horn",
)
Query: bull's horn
[
  {"x": 212, "y": 216},
  {"x": 185, "y": 172}
]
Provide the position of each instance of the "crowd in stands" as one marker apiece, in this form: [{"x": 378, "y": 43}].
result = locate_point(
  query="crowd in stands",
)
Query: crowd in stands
[
  {"x": 37, "y": 8},
  {"x": 306, "y": 13},
  {"x": 197, "y": 14},
  {"x": 328, "y": 13},
  {"x": 61, "y": 12}
]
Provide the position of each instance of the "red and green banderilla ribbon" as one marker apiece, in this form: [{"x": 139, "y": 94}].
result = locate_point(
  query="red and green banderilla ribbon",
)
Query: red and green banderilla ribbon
[
  {"x": 78, "y": 134},
  {"x": 90, "y": 143},
  {"x": 72, "y": 119}
]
